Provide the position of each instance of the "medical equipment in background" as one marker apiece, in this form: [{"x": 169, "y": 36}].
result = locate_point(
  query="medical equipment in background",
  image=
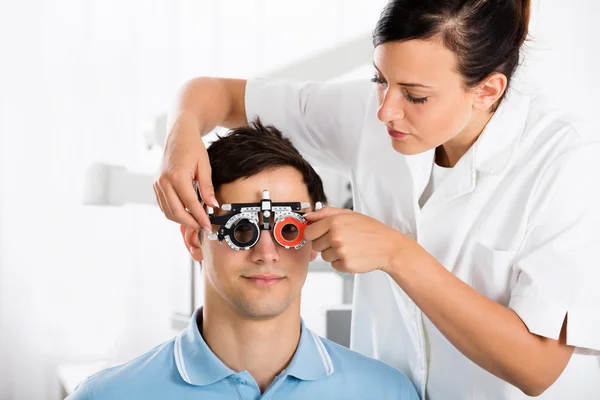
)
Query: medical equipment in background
[{"x": 114, "y": 185}]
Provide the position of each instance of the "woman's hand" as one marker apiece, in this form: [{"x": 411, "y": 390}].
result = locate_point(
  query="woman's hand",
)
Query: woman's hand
[
  {"x": 356, "y": 243},
  {"x": 203, "y": 104},
  {"x": 185, "y": 160}
]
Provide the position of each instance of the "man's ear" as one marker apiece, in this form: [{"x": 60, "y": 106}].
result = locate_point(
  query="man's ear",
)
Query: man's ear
[
  {"x": 192, "y": 242},
  {"x": 490, "y": 91}
]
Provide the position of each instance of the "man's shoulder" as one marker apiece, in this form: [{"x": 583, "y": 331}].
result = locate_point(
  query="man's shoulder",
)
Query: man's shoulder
[
  {"x": 367, "y": 371},
  {"x": 346, "y": 360},
  {"x": 150, "y": 371}
]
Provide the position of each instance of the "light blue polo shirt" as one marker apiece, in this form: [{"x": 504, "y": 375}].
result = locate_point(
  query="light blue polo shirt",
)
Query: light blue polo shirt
[{"x": 185, "y": 368}]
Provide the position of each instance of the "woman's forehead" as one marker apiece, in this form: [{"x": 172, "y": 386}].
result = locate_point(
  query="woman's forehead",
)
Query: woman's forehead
[{"x": 415, "y": 61}]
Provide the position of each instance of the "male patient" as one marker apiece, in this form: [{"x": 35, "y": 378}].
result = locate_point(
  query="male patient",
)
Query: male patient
[{"x": 248, "y": 340}]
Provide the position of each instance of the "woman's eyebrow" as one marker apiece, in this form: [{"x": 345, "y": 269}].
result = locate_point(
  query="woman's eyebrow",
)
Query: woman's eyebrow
[{"x": 420, "y": 85}]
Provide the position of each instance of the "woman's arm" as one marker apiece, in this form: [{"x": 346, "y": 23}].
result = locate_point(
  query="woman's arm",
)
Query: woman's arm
[
  {"x": 212, "y": 102},
  {"x": 322, "y": 119},
  {"x": 203, "y": 104},
  {"x": 489, "y": 334}
]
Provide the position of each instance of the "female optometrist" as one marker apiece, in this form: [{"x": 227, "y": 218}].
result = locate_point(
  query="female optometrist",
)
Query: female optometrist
[{"x": 475, "y": 238}]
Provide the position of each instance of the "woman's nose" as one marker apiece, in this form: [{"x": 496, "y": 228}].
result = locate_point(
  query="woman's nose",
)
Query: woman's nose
[{"x": 390, "y": 108}]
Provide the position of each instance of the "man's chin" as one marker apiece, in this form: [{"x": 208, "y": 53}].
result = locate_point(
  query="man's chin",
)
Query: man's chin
[{"x": 262, "y": 310}]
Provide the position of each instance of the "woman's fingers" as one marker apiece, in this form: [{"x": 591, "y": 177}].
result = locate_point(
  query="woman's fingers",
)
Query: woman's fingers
[
  {"x": 321, "y": 244},
  {"x": 172, "y": 205},
  {"x": 205, "y": 186}
]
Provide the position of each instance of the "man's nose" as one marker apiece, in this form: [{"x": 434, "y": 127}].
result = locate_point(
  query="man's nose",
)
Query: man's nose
[{"x": 266, "y": 249}]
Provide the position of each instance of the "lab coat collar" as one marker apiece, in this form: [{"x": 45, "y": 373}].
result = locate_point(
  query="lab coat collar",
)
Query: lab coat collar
[
  {"x": 420, "y": 166},
  {"x": 199, "y": 366},
  {"x": 491, "y": 153}
]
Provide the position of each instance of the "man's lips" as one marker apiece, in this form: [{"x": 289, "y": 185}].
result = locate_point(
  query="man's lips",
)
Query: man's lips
[
  {"x": 265, "y": 279},
  {"x": 264, "y": 276}
]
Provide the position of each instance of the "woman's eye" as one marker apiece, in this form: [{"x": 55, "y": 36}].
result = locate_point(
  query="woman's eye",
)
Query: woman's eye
[
  {"x": 378, "y": 80},
  {"x": 416, "y": 100}
]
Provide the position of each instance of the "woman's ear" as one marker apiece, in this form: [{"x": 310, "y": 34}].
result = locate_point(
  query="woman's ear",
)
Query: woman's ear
[
  {"x": 192, "y": 242},
  {"x": 490, "y": 91}
]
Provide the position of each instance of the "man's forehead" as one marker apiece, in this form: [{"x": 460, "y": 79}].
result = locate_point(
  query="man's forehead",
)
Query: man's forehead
[
  {"x": 258, "y": 199},
  {"x": 284, "y": 184},
  {"x": 231, "y": 194}
]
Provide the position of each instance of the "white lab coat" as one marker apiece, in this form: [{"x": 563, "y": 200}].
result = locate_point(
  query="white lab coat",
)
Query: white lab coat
[{"x": 517, "y": 219}]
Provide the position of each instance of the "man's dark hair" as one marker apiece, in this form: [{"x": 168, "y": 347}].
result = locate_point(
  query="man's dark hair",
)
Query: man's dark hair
[{"x": 250, "y": 150}]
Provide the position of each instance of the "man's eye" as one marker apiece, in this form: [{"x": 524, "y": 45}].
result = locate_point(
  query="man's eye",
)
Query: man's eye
[
  {"x": 289, "y": 232},
  {"x": 243, "y": 232}
]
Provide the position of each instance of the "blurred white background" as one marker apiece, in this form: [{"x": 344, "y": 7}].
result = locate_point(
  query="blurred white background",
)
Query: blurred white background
[{"x": 77, "y": 81}]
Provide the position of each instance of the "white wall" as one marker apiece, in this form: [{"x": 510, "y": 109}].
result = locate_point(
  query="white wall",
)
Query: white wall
[
  {"x": 564, "y": 53},
  {"x": 76, "y": 79}
]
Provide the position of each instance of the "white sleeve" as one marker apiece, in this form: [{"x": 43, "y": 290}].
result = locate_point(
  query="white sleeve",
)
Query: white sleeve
[
  {"x": 323, "y": 120},
  {"x": 558, "y": 265}
]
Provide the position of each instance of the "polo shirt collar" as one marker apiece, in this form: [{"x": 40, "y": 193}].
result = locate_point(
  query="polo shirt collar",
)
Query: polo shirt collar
[
  {"x": 196, "y": 362},
  {"x": 199, "y": 366}
]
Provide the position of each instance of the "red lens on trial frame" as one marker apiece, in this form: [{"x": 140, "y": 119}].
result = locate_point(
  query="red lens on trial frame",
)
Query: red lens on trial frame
[{"x": 289, "y": 231}]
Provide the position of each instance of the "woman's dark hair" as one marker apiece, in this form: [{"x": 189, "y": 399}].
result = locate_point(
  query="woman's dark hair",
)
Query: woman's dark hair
[
  {"x": 486, "y": 35},
  {"x": 250, "y": 150}
]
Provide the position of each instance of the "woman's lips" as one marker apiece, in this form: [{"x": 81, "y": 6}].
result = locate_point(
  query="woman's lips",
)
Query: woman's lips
[{"x": 396, "y": 134}]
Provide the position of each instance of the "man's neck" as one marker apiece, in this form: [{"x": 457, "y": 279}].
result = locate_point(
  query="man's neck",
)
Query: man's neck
[{"x": 264, "y": 348}]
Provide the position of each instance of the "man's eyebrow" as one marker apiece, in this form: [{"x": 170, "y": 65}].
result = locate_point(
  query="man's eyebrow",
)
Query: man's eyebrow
[{"x": 420, "y": 85}]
